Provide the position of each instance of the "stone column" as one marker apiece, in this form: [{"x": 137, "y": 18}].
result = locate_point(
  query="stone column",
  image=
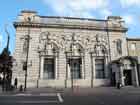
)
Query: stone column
[
  {"x": 41, "y": 67},
  {"x": 83, "y": 67},
  {"x": 66, "y": 75},
  {"x": 106, "y": 68},
  {"x": 136, "y": 75},
  {"x": 92, "y": 70},
  {"x": 56, "y": 68},
  {"x": 121, "y": 75},
  {"x": 69, "y": 71},
  {"x": 87, "y": 65}
]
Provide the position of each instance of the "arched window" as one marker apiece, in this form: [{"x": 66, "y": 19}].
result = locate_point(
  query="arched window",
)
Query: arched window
[
  {"x": 119, "y": 46},
  {"x": 48, "y": 50},
  {"x": 50, "y": 61},
  {"x": 100, "y": 53},
  {"x": 74, "y": 58}
]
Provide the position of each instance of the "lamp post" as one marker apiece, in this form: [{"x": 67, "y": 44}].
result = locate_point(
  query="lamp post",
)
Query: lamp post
[
  {"x": 27, "y": 38},
  {"x": 91, "y": 54}
]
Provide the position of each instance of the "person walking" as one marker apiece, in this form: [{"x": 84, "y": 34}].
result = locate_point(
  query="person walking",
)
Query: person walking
[
  {"x": 3, "y": 84},
  {"x": 15, "y": 83}
]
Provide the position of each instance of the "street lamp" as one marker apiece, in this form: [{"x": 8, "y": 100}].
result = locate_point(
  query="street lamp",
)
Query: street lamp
[{"x": 27, "y": 38}]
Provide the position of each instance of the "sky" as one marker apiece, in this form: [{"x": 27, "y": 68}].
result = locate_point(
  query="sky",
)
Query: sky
[{"x": 100, "y": 9}]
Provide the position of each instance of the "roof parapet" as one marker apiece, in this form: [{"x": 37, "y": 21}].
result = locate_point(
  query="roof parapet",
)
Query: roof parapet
[
  {"x": 116, "y": 21},
  {"x": 114, "y": 18},
  {"x": 29, "y": 11},
  {"x": 26, "y": 14}
]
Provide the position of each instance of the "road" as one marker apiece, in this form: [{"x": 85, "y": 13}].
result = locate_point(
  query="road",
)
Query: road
[
  {"x": 104, "y": 96},
  {"x": 31, "y": 99},
  {"x": 96, "y": 96}
]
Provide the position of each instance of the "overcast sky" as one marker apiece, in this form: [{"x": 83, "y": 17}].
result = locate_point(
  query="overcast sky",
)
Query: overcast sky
[{"x": 100, "y": 9}]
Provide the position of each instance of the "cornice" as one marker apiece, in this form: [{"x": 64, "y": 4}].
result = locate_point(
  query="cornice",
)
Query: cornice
[
  {"x": 72, "y": 18},
  {"x": 68, "y": 26},
  {"x": 133, "y": 39}
]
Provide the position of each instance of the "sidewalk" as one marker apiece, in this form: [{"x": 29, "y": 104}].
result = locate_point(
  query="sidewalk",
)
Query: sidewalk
[
  {"x": 32, "y": 91},
  {"x": 77, "y": 90},
  {"x": 100, "y": 90}
]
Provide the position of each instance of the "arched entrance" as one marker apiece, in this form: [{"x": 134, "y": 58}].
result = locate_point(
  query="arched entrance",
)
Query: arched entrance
[
  {"x": 125, "y": 71},
  {"x": 127, "y": 77}
]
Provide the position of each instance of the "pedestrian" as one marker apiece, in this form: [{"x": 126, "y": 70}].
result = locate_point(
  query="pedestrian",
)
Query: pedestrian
[
  {"x": 15, "y": 83},
  {"x": 6, "y": 84},
  {"x": 3, "y": 84},
  {"x": 118, "y": 85},
  {"x": 0, "y": 81},
  {"x": 1, "y": 78}
]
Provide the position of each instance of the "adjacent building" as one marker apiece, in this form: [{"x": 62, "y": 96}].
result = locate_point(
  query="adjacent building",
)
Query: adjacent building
[
  {"x": 133, "y": 46},
  {"x": 68, "y": 52}
]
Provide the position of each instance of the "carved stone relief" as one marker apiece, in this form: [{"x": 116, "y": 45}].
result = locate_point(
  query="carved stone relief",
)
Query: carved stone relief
[
  {"x": 47, "y": 43},
  {"x": 71, "y": 42}
]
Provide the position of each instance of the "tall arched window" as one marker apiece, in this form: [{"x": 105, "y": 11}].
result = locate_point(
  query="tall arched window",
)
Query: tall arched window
[
  {"x": 100, "y": 53},
  {"x": 119, "y": 46},
  {"x": 49, "y": 69},
  {"x": 74, "y": 58},
  {"x": 48, "y": 51}
]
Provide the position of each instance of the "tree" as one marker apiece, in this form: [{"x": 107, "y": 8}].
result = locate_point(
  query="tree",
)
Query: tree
[{"x": 6, "y": 61}]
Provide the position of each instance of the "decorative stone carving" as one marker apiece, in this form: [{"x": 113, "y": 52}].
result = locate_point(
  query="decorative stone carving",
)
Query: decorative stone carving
[
  {"x": 100, "y": 45},
  {"x": 116, "y": 24},
  {"x": 63, "y": 41},
  {"x": 73, "y": 43},
  {"x": 73, "y": 37},
  {"x": 48, "y": 44},
  {"x": 100, "y": 38},
  {"x": 43, "y": 40}
]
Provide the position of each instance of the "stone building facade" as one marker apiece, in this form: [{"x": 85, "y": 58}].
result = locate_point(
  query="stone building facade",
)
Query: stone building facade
[
  {"x": 133, "y": 45},
  {"x": 68, "y": 52}
]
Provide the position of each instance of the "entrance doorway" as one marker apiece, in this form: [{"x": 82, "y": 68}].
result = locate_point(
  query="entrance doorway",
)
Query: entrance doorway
[
  {"x": 128, "y": 77},
  {"x": 113, "y": 79}
]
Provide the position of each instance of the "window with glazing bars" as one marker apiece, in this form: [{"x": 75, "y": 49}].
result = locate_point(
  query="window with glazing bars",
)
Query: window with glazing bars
[
  {"x": 99, "y": 68},
  {"x": 49, "y": 72}
]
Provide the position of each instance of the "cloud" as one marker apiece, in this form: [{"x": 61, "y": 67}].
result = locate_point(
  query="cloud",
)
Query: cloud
[
  {"x": 129, "y": 19},
  {"x": 80, "y": 8},
  {"x": 105, "y": 13},
  {"x": 128, "y": 3}
]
